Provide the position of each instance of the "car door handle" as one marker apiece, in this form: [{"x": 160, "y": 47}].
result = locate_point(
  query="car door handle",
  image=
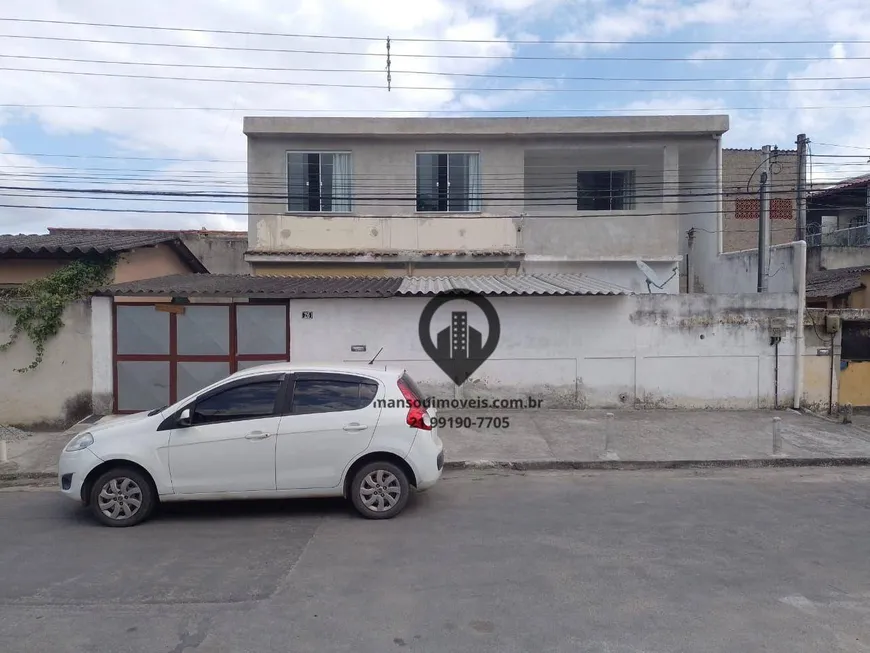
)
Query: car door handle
[
  {"x": 355, "y": 427},
  {"x": 257, "y": 435}
]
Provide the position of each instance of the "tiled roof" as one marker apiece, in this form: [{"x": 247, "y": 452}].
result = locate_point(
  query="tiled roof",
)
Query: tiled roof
[
  {"x": 521, "y": 284},
  {"x": 83, "y": 242},
  {"x": 244, "y": 285},
  {"x": 846, "y": 184},
  {"x": 391, "y": 253},
  {"x": 146, "y": 232},
  {"x": 291, "y": 287},
  {"x": 831, "y": 283}
]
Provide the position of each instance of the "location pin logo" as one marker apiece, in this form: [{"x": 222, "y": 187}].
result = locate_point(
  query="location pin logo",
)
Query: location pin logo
[{"x": 460, "y": 349}]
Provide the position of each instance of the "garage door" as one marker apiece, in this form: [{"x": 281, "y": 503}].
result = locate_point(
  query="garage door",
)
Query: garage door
[{"x": 164, "y": 352}]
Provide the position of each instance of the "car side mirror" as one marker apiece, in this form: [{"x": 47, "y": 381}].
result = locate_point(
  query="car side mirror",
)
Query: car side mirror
[{"x": 184, "y": 418}]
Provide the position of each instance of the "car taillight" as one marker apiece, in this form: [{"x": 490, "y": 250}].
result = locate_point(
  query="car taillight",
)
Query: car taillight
[{"x": 417, "y": 417}]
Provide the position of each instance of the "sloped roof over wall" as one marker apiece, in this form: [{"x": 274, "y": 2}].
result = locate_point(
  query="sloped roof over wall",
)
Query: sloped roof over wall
[
  {"x": 70, "y": 243},
  {"x": 292, "y": 287},
  {"x": 833, "y": 283}
]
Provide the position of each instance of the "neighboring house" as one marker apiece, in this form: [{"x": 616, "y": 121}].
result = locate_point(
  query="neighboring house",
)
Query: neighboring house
[
  {"x": 142, "y": 254},
  {"x": 837, "y": 225},
  {"x": 839, "y": 288},
  {"x": 741, "y": 175},
  {"x": 221, "y": 252},
  {"x": 432, "y": 196}
]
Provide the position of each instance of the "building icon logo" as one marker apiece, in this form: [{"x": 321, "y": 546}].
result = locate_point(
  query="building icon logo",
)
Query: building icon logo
[{"x": 459, "y": 348}]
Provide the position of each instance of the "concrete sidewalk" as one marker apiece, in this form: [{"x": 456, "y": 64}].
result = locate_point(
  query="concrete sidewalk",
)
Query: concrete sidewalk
[
  {"x": 574, "y": 438},
  {"x": 653, "y": 435}
]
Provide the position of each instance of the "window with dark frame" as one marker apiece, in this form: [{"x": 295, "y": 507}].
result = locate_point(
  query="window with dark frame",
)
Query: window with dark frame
[
  {"x": 319, "y": 181},
  {"x": 605, "y": 190},
  {"x": 448, "y": 182},
  {"x": 331, "y": 395},
  {"x": 247, "y": 401}
]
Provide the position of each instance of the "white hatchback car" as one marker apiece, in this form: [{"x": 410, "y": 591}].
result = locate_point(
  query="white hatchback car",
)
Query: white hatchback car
[{"x": 273, "y": 431}]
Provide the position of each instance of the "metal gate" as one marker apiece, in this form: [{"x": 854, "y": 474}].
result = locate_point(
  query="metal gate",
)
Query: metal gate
[{"x": 164, "y": 352}]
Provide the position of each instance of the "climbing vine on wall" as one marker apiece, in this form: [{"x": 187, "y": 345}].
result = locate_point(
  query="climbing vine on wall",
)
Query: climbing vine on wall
[{"x": 37, "y": 306}]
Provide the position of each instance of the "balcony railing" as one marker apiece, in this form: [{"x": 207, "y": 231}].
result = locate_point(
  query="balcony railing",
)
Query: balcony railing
[{"x": 852, "y": 237}]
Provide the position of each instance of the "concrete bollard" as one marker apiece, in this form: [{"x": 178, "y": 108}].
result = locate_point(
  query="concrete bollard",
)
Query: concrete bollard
[
  {"x": 847, "y": 414},
  {"x": 608, "y": 436},
  {"x": 777, "y": 437},
  {"x": 4, "y": 457}
]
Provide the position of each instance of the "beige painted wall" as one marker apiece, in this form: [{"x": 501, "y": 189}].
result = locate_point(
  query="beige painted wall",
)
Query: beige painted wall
[
  {"x": 145, "y": 263},
  {"x": 149, "y": 263},
  {"x": 58, "y": 392},
  {"x": 18, "y": 271},
  {"x": 818, "y": 382}
]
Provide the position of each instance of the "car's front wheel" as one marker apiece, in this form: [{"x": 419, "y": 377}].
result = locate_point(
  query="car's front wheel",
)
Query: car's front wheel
[
  {"x": 379, "y": 490},
  {"x": 122, "y": 497}
]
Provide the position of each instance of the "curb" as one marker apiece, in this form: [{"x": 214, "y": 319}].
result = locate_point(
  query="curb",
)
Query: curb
[
  {"x": 531, "y": 465},
  {"x": 14, "y": 478}
]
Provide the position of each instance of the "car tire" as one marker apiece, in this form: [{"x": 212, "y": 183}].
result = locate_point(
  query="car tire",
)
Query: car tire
[
  {"x": 379, "y": 490},
  {"x": 126, "y": 493}
]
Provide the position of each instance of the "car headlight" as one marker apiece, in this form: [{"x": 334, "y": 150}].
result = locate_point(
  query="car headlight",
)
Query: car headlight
[{"x": 79, "y": 442}]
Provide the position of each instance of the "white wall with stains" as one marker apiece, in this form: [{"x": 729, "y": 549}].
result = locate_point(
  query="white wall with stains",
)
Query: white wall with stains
[{"x": 674, "y": 351}]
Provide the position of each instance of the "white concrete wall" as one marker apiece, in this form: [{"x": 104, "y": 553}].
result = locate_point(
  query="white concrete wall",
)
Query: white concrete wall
[
  {"x": 58, "y": 392},
  {"x": 689, "y": 351},
  {"x": 737, "y": 272}
]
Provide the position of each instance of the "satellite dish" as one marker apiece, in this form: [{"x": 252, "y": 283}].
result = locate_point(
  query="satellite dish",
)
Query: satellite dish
[{"x": 651, "y": 277}]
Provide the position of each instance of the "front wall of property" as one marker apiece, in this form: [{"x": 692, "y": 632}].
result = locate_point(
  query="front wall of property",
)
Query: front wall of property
[
  {"x": 594, "y": 351},
  {"x": 58, "y": 392}
]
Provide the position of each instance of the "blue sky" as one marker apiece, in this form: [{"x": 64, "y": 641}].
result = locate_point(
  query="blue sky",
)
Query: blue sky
[{"x": 185, "y": 134}]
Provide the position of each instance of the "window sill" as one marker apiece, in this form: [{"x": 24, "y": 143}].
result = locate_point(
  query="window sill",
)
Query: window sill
[
  {"x": 448, "y": 214},
  {"x": 327, "y": 214}
]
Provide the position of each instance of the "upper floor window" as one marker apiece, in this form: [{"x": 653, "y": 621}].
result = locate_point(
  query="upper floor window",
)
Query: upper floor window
[
  {"x": 448, "y": 182},
  {"x": 319, "y": 181},
  {"x": 606, "y": 190}
]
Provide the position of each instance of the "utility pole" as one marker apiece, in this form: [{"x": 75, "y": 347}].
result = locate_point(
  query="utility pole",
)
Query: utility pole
[
  {"x": 764, "y": 220},
  {"x": 801, "y": 222},
  {"x": 690, "y": 272}
]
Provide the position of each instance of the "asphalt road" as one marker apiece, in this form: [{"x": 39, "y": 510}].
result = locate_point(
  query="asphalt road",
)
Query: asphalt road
[{"x": 605, "y": 562}]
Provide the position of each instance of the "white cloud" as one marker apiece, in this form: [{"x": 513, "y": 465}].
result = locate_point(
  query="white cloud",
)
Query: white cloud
[{"x": 197, "y": 134}]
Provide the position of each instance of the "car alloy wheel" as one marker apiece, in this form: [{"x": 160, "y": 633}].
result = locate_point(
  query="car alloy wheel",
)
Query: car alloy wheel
[
  {"x": 120, "y": 498},
  {"x": 380, "y": 490}
]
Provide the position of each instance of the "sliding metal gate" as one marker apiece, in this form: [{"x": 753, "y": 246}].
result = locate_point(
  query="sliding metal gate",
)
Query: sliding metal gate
[{"x": 164, "y": 352}]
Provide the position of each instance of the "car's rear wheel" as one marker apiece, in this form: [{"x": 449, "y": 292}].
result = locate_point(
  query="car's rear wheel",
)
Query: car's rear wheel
[
  {"x": 379, "y": 490},
  {"x": 122, "y": 497}
]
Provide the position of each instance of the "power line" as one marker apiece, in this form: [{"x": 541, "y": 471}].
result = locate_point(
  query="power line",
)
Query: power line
[
  {"x": 419, "y": 55},
  {"x": 104, "y": 209},
  {"x": 482, "y": 89},
  {"x": 424, "y": 40},
  {"x": 430, "y": 73},
  {"x": 452, "y": 112}
]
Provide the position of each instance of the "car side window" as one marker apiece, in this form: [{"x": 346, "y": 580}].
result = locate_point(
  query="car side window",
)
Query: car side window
[
  {"x": 240, "y": 402},
  {"x": 328, "y": 395}
]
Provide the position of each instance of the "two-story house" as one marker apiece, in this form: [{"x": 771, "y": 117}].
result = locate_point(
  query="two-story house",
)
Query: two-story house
[{"x": 433, "y": 196}]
